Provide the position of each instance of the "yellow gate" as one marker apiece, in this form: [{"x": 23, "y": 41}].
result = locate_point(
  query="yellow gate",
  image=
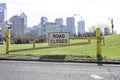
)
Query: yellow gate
[{"x": 98, "y": 46}]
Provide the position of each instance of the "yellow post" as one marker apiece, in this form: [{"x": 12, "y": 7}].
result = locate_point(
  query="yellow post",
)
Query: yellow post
[
  {"x": 89, "y": 40},
  {"x": 33, "y": 43},
  {"x": 99, "y": 44},
  {"x": 7, "y": 41},
  {"x": 103, "y": 41}
]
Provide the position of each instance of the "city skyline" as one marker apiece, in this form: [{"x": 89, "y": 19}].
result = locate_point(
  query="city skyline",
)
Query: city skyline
[{"x": 94, "y": 12}]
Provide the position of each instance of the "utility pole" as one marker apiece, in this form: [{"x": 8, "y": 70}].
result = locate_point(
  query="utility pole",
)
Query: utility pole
[{"x": 112, "y": 25}]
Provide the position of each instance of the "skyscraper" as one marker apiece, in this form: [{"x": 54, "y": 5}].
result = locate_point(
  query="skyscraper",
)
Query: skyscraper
[
  {"x": 44, "y": 20},
  {"x": 17, "y": 26},
  {"x": 23, "y": 15},
  {"x": 81, "y": 27},
  {"x": 70, "y": 25},
  {"x": 59, "y": 21},
  {"x": 3, "y": 12}
]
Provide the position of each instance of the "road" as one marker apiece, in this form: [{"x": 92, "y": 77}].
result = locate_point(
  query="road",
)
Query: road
[{"x": 28, "y": 70}]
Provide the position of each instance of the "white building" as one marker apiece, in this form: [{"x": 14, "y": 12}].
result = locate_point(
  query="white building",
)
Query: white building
[
  {"x": 23, "y": 15},
  {"x": 17, "y": 26}
]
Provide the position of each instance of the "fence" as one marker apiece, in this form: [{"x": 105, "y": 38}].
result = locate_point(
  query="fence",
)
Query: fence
[{"x": 98, "y": 46}]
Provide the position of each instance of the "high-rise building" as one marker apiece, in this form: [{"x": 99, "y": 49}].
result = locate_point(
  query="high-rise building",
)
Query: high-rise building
[
  {"x": 59, "y": 21},
  {"x": 17, "y": 26},
  {"x": 70, "y": 25},
  {"x": 3, "y": 12},
  {"x": 81, "y": 27},
  {"x": 44, "y": 20},
  {"x": 23, "y": 15}
]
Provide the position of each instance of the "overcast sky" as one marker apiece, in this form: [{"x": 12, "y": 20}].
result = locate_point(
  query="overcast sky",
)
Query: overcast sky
[{"x": 92, "y": 11}]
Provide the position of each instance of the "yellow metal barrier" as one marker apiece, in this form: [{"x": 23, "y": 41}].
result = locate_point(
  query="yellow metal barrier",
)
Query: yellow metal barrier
[
  {"x": 29, "y": 38},
  {"x": 98, "y": 46},
  {"x": 33, "y": 43},
  {"x": 7, "y": 41}
]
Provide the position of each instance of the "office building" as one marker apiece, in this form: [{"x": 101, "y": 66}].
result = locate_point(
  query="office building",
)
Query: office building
[
  {"x": 23, "y": 15},
  {"x": 81, "y": 27},
  {"x": 44, "y": 20},
  {"x": 17, "y": 26},
  {"x": 70, "y": 25},
  {"x": 59, "y": 21},
  {"x": 3, "y": 12}
]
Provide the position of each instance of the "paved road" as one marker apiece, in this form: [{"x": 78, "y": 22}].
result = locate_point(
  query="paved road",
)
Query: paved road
[{"x": 28, "y": 70}]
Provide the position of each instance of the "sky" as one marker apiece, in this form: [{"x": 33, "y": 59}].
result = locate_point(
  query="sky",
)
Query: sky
[{"x": 94, "y": 12}]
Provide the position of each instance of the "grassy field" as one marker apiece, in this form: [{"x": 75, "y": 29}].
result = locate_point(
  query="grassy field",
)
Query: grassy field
[{"x": 111, "y": 50}]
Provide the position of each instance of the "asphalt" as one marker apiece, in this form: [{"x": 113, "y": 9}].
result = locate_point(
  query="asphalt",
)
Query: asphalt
[
  {"x": 33, "y": 70},
  {"x": 46, "y": 59}
]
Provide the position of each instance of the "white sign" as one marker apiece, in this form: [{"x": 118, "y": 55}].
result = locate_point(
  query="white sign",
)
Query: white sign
[{"x": 58, "y": 38}]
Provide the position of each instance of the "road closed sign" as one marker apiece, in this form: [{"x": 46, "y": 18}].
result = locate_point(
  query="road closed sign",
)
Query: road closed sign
[{"x": 58, "y": 38}]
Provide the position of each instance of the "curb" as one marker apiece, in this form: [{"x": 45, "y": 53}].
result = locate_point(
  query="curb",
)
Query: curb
[{"x": 60, "y": 60}]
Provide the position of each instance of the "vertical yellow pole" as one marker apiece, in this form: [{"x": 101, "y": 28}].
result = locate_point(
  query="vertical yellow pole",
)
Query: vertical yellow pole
[
  {"x": 103, "y": 41},
  {"x": 33, "y": 43},
  {"x": 99, "y": 44},
  {"x": 7, "y": 41},
  {"x": 89, "y": 40}
]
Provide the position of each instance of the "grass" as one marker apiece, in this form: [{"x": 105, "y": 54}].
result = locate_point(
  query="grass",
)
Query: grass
[{"x": 111, "y": 50}]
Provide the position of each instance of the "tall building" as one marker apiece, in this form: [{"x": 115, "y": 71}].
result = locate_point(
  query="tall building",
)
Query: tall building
[
  {"x": 70, "y": 25},
  {"x": 17, "y": 26},
  {"x": 23, "y": 15},
  {"x": 3, "y": 12},
  {"x": 59, "y": 21},
  {"x": 81, "y": 27},
  {"x": 44, "y": 20},
  {"x": 42, "y": 26},
  {"x": 2, "y": 29}
]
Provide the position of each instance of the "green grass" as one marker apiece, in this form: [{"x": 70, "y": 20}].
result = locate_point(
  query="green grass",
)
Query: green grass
[{"x": 111, "y": 50}]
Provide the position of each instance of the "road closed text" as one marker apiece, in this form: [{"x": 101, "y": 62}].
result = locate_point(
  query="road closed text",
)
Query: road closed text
[{"x": 58, "y": 38}]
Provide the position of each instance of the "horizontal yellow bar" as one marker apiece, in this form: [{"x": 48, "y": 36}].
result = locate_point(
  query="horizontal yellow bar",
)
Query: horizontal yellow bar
[
  {"x": 86, "y": 38},
  {"x": 28, "y": 38}
]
